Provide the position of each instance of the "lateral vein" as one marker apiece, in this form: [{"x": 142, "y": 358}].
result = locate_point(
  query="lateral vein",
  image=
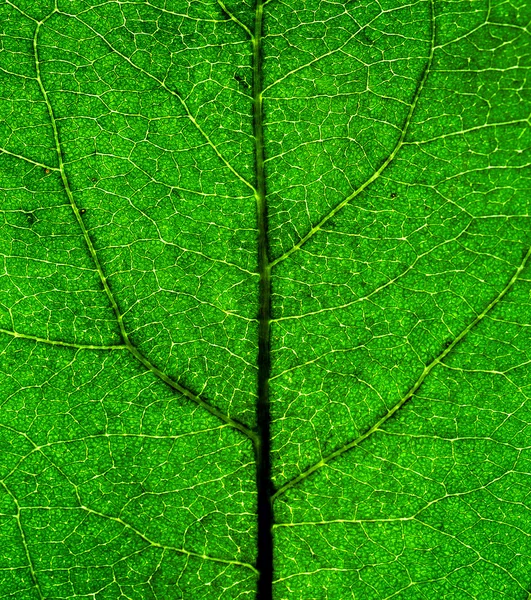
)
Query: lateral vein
[
  {"x": 412, "y": 390},
  {"x": 34, "y": 338},
  {"x": 316, "y": 228},
  {"x": 90, "y": 246},
  {"x": 235, "y": 19},
  {"x": 31, "y": 565},
  {"x": 164, "y": 546},
  {"x": 175, "y": 95},
  {"x": 28, "y": 160}
]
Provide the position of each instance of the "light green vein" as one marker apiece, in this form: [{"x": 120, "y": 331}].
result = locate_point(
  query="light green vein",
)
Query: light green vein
[
  {"x": 235, "y": 19},
  {"x": 132, "y": 436},
  {"x": 36, "y": 584},
  {"x": 188, "y": 553},
  {"x": 160, "y": 9},
  {"x": 175, "y": 95},
  {"x": 479, "y": 128},
  {"x": 82, "y": 506},
  {"x": 20, "y": 11},
  {"x": 378, "y": 289},
  {"x": 90, "y": 246},
  {"x": 335, "y": 50},
  {"x": 316, "y": 228},
  {"x": 29, "y": 160},
  {"x": 343, "y": 522},
  {"x": 412, "y": 390},
  {"x": 445, "y": 535},
  {"x": 35, "y": 338},
  {"x": 412, "y": 517}
]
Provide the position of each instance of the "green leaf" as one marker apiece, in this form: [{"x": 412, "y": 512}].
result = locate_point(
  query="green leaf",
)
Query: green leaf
[{"x": 265, "y": 299}]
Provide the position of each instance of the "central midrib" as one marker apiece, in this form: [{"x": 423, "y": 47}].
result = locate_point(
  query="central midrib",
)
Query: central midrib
[{"x": 263, "y": 460}]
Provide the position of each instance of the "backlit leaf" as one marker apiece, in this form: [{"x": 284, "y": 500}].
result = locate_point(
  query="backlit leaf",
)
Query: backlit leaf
[{"x": 265, "y": 299}]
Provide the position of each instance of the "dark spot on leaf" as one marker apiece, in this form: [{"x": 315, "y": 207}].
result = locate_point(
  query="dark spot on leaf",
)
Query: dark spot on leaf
[
  {"x": 82, "y": 211},
  {"x": 30, "y": 216},
  {"x": 47, "y": 171},
  {"x": 394, "y": 194},
  {"x": 241, "y": 81},
  {"x": 364, "y": 37}
]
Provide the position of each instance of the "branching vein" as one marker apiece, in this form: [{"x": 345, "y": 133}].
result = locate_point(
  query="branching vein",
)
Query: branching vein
[
  {"x": 409, "y": 118},
  {"x": 413, "y": 389},
  {"x": 112, "y": 300},
  {"x": 175, "y": 95}
]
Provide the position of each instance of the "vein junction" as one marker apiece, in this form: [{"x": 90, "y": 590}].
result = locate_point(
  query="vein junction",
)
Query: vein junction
[{"x": 260, "y": 438}]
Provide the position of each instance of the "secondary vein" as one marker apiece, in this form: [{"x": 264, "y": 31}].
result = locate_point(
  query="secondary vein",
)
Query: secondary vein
[
  {"x": 28, "y": 160},
  {"x": 34, "y": 338},
  {"x": 149, "y": 541},
  {"x": 316, "y": 228},
  {"x": 112, "y": 300},
  {"x": 31, "y": 564},
  {"x": 175, "y": 94},
  {"x": 413, "y": 389}
]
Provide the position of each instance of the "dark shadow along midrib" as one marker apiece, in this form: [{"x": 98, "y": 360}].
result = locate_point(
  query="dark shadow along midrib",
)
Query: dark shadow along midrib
[{"x": 263, "y": 461}]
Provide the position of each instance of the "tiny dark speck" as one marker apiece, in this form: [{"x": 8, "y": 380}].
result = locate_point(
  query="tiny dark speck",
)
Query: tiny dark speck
[
  {"x": 241, "y": 80},
  {"x": 394, "y": 195},
  {"x": 82, "y": 211}
]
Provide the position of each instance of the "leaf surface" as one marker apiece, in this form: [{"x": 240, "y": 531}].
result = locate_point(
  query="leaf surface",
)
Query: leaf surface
[{"x": 265, "y": 282}]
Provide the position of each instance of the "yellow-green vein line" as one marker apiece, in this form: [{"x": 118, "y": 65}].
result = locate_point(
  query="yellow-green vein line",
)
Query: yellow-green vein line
[
  {"x": 384, "y": 165},
  {"x": 36, "y": 584},
  {"x": 188, "y": 553},
  {"x": 175, "y": 95},
  {"x": 191, "y": 396},
  {"x": 88, "y": 241},
  {"x": 82, "y": 506},
  {"x": 28, "y": 160},
  {"x": 35, "y": 338},
  {"x": 412, "y": 390},
  {"x": 235, "y": 19}
]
